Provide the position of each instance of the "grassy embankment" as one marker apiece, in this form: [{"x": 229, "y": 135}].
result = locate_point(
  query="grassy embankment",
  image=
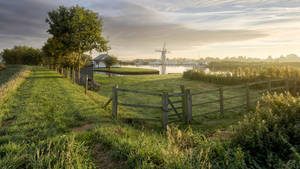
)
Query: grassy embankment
[
  {"x": 127, "y": 70},
  {"x": 50, "y": 123},
  {"x": 171, "y": 84},
  {"x": 11, "y": 77}
]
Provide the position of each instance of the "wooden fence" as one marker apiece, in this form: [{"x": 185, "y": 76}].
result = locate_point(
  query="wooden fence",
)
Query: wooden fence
[{"x": 180, "y": 110}]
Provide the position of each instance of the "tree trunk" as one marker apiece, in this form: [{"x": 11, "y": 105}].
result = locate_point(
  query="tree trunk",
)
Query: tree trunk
[
  {"x": 78, "y": 75},
  {"x": 79, "y": 81}
]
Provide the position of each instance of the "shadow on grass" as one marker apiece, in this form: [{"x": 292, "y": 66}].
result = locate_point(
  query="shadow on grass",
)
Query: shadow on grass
[{"x": 45, "y": 77}]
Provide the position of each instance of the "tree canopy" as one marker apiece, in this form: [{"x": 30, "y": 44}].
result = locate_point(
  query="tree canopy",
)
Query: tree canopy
[
  {"x": 110, "y": 61},
  {"x": 22, "y": 55},
  {"x": 75, "y": 31}
]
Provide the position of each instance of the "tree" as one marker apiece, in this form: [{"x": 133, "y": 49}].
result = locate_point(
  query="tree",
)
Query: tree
[
  {"x": 110, "y": 61},
  {"x": 22, "y": 55},
  {"x": 78, "y": 30},
  {"x": 53, "y": 52}
]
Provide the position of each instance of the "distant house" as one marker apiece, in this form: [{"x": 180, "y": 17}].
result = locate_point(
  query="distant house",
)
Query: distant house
[{"x": 99, "y": 61}]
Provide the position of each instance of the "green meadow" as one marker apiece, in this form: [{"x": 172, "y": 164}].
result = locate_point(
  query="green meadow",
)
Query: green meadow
[{"x": 48, "y": 122}]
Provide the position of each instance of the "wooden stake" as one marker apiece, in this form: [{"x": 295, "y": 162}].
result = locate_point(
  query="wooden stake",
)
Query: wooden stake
[
  {"x": 86, "y": 83},
  {"x": 221, "y": 101},
  {"x": 165, "y": 110},
  {"x": 188, "y": 106},
  {"x": 115, "y": 102},
  {"x": 287, "y": 87},
  {"x": 248, "y": 98}
]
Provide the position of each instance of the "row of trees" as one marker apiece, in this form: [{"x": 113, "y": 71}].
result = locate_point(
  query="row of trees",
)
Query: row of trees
[
  {"x": 75, "y": 31},
  {"x": 22, "y": 55},
  {"x": 243, "y": 75}
]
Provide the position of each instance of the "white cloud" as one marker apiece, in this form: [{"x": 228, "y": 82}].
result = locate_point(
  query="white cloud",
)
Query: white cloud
[{"x": 190, "y": 27}]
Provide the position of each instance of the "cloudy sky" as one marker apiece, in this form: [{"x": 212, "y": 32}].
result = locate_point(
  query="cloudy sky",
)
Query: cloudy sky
[{"x": 190, "y": 28}]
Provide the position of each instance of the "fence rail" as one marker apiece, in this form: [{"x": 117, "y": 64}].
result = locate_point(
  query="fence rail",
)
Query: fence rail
[{"x": 172, "y": 112}]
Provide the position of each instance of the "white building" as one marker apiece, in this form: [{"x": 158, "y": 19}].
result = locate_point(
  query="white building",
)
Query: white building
[{"x": 98, "y": 61}]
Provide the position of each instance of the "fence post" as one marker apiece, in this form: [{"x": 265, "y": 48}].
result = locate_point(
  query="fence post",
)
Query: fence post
[
  {"x": 188, "y": 103},
  {"x": 86, "y": 83},
  {"x": 70, "y": 70},
  {"x": 73, "y": 75},
  {"x": 287, "y": 87},
  {"x": 183, "y": 101},
  {"x": 247, "y": 97},
  {"x": 165, "y": 110},
  {"x": 269, "y": 85},
  {"x": 114, "y": 108},
  {"x": 295, "y": 86},
  {"x": 67, "y": 73},
  {"x": 221, "y": 101}
]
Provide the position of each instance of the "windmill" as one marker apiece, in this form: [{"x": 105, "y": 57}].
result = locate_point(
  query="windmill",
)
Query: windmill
[{"x": 163, "y": 53}]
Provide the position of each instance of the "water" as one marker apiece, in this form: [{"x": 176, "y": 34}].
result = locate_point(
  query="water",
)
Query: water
[
  {"x": 163, "y": 69},
  {"x": 166, "y": 69}
]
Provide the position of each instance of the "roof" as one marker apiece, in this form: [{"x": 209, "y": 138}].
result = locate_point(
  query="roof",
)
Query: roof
[{"x": 101, "y": 57}]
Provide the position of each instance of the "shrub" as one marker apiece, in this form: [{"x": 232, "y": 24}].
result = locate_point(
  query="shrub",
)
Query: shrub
[
  {"x": 2, "y": 67},
  {"x": 271, "y": 136},
  {"x": 22, "y": 55}
]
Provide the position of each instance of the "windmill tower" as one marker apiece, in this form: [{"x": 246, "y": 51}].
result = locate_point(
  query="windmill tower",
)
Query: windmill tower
[{"x": 163, "y": 53}]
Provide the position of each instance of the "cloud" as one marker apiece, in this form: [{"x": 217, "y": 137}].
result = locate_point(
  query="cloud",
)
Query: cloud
[
  {"x": 137, "y": 27},
  {"x": 147, "y": 37}
]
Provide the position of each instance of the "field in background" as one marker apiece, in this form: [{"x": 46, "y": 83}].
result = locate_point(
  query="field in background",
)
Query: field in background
[
  {"x": 171, "y": 84},
  {"x": 126, "y": 70}
]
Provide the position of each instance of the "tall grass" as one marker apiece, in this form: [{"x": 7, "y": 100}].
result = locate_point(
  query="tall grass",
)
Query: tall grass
[
  {"x": 243, "y": 75},
  {"x": 268, "y": 138},
  {"x": 232, "y": 65},
  {"x": 56, "y": 153}
]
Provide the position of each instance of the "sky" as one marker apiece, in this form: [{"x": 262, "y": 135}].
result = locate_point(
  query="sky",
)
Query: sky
[{"x": 190, "y": 28}]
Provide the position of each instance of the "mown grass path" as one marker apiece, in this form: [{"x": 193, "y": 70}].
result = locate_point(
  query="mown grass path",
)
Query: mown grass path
[{"x": 44, "y": 107}]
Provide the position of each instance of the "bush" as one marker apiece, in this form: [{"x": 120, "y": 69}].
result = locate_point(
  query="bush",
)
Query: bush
[
  {"x": 2, "y": 67},
  {"x": 271, "y": 136},
  {"x": 22, "y": 55}
]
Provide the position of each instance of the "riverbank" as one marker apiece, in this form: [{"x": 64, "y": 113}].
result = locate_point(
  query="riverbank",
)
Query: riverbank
[{"x": 128, "y": 71}]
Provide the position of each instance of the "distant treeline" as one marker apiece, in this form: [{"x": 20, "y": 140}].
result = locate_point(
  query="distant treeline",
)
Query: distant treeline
[
  {"x": 243, "y": 75},
  {"x": 291, "y": 58},
  {"x": 22, "y": 55}
]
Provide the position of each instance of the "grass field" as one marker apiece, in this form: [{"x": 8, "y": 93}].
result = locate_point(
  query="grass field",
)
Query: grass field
[
  {"x": 127, "y": 70},
  {"x": 171, "y": 84},
  {"x": 48, "y": 122}
]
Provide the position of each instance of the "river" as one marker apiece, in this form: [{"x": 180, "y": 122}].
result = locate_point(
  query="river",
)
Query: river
[{"x": 165, "y": 69}]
